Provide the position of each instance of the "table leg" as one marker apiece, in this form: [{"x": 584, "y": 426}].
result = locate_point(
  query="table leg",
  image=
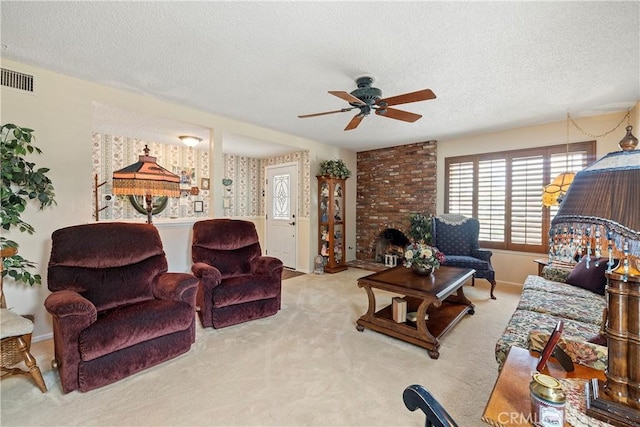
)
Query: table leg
[
  {"x": 368, "y": 316},
  {"x": 423, "y": 331},
  {"x": 461, "y": 298}
]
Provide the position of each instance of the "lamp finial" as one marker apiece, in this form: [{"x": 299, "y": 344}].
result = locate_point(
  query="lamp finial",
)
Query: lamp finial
[{"x": 629, "y": 142}]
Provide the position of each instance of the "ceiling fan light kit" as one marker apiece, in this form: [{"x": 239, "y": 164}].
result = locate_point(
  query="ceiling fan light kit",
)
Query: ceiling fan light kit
[{"x": 367, "y": 98}]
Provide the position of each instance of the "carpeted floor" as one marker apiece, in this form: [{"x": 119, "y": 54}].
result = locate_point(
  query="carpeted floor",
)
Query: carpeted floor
[{"x": 305, "y": 366}]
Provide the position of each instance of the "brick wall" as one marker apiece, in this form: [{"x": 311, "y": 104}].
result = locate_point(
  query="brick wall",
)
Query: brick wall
[{"x": 393, "y": 183}]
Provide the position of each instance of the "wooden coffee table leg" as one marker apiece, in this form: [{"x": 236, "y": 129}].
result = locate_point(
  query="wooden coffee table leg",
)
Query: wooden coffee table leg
[
  {"x": 368, "y": 316},
  {"x": 461, "y": 298},
  {"x": 423, "y": 331}
]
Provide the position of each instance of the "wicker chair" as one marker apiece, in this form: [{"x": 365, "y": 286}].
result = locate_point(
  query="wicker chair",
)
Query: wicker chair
[{"x": 15, "y": 340}]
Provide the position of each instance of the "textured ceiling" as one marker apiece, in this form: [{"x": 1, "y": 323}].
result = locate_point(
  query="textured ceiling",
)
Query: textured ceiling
[{"x": 492, "y": 65}]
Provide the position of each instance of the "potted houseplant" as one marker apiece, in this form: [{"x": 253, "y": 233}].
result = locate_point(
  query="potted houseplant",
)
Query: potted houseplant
[
  {"x": 22, "y": 183},
  {"x": 420, "y": 228},
  {"x": 334, "y": 169}
]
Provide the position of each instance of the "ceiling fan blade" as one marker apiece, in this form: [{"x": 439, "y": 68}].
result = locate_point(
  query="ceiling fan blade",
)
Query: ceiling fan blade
[
  {"x": 355, "y": 121},
  {"x": 346, "y": 96},
  {"x": 421, "y": 95},
  {"x": 326, "y": 112},
  {"x": 394, "y": 113}
]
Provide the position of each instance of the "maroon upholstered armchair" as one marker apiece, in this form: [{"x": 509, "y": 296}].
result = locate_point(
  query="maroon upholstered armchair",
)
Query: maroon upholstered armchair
[
  {"x": 116, "y": 310},
  {"x": 237, "y": 283}
]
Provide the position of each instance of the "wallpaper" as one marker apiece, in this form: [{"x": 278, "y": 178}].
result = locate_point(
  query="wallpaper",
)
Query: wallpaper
[
  {"x": 244, "y": 197},
  {"x": 246, "y": 193},
  {"x": 111, "y": 153}
]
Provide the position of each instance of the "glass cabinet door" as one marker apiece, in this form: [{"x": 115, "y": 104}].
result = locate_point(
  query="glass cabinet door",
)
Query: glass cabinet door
[{"x": 331, "y": 232}]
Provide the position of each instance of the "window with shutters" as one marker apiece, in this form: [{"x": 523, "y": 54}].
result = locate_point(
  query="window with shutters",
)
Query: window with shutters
[{"x": 504, "y": 191}]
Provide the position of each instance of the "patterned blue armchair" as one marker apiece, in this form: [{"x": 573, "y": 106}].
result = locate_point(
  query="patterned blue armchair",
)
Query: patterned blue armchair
[{"x": 457, "y": 237}]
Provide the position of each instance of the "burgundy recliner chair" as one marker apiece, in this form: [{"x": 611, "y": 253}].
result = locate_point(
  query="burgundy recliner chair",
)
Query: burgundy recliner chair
[
  {"x": 116, "y": 310},
  {"x": 237, "y": 283}
]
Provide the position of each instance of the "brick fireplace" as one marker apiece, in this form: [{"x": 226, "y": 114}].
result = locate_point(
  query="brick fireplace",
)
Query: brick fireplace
[{"x": 393, "y": 183}]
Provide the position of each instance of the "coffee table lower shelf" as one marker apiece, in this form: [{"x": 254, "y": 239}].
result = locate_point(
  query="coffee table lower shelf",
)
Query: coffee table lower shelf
[{"x": 425, "y": 334}]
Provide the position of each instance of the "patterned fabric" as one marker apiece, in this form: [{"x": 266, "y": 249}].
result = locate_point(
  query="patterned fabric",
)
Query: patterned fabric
[
  {"x": 466, "y": 262},
  {"x": 455, "y": 239},
  {"x": 583, "y": 352},
  {"x": 555, "y": 274},
  {"x": 542, "y": 305},
  {"x": 522, "y": 322},
  {"x": 587, "y": 310},
  {"x": 575, "y": 410},
  {"x": 540, "y": 284}
]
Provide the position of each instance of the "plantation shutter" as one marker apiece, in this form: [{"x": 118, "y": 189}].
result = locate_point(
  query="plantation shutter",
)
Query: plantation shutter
[
  {"x": 503, "y": 191},
  {"x": 526, "y": 200},
  {"x": 460, "y": 180},
  {"x": 492, "y": 186}
]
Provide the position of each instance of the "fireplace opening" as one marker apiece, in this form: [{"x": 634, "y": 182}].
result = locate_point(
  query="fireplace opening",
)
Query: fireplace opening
[{"x": 390, "y": 241}]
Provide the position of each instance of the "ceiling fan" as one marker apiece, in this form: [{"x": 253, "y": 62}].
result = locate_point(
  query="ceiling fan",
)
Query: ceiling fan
[{"x": 367, "y": 98}]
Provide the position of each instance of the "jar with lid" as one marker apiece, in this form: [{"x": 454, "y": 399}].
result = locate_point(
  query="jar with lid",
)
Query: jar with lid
[{"x": 547, "y": 401}]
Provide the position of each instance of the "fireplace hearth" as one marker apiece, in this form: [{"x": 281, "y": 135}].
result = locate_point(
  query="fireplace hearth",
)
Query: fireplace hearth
[{"x": 390, "y": 241}]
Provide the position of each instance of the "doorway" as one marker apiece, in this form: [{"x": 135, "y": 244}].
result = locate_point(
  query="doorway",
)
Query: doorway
[{"x": 281, "y": 211}]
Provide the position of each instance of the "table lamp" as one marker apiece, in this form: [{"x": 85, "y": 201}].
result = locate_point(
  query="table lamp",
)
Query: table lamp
[{"x": 601, "y": 210}]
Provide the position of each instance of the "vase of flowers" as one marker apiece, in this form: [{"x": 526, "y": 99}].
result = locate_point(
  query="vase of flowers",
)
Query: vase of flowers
[{"x": 422, "y": 259}]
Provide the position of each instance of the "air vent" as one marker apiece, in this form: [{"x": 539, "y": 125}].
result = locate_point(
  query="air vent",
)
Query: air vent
[{"x": 17, "y": 80}]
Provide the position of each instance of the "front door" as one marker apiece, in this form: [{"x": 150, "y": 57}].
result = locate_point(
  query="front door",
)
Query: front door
[{"x": 281, "y": 210}]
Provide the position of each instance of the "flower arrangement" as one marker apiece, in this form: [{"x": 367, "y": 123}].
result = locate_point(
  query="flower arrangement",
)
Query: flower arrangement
[
  {"x": 334, "y": 169},
  {"x": 418, "y": 254}
]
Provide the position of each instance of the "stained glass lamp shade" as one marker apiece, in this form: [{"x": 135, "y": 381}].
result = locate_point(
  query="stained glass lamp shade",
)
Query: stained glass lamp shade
[
  {"x": 554, "y": 192},
  {"x": 146, "y": 178}
]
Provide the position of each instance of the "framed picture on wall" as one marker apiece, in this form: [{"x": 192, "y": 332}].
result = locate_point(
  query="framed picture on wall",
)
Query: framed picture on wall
[
  {"x": 187, "y": 176},
  {"x": 204, "y": 183},
  {"x": 198, "y": 206}
]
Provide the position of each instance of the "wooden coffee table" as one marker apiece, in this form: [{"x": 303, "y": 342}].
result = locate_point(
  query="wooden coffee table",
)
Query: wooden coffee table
[{"x": 427, "y": 295}]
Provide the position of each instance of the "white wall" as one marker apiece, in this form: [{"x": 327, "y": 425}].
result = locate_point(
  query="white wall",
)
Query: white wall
[
  {"x": 61, "y": 115},
  {"x": 514, "y": 267}
]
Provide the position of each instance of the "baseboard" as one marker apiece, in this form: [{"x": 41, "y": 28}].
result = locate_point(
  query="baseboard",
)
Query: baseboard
[{"x": 42, "y": 337}]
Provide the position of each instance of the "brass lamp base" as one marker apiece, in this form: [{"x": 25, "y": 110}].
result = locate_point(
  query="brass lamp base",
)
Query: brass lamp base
[{"x": 599, "y": 406}]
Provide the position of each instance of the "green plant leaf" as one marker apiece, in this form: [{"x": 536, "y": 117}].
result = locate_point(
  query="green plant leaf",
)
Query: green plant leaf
[{"x": 21, "y": 182}]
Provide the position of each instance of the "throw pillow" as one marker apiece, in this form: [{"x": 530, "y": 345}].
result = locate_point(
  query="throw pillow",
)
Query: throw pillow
[
  {"x": 591, "y": 278},
  {"x": 580, "y": 351},
  {"x": 556, "y": 274},
  {"x": 598, "y": 339}
]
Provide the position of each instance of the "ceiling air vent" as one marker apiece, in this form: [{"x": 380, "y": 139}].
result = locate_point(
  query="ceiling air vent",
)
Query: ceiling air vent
[{"x": 17, "y": 80}]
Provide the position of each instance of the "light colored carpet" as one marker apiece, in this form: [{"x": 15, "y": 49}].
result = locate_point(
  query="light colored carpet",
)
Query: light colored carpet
[{"x": 305, "y": 366}]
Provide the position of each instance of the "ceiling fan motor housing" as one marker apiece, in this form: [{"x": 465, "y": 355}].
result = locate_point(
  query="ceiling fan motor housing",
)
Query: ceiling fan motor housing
[{"x": 365, "y": 92}]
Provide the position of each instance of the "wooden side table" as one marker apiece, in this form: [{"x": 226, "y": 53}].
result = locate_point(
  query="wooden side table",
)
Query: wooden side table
[
  {"x": 542, "y": 263},
  {"x": 510, "y": 403}
]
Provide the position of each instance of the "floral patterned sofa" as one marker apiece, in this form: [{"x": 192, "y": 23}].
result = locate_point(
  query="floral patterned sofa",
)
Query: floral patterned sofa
[{"x": 548, "y": 299}]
